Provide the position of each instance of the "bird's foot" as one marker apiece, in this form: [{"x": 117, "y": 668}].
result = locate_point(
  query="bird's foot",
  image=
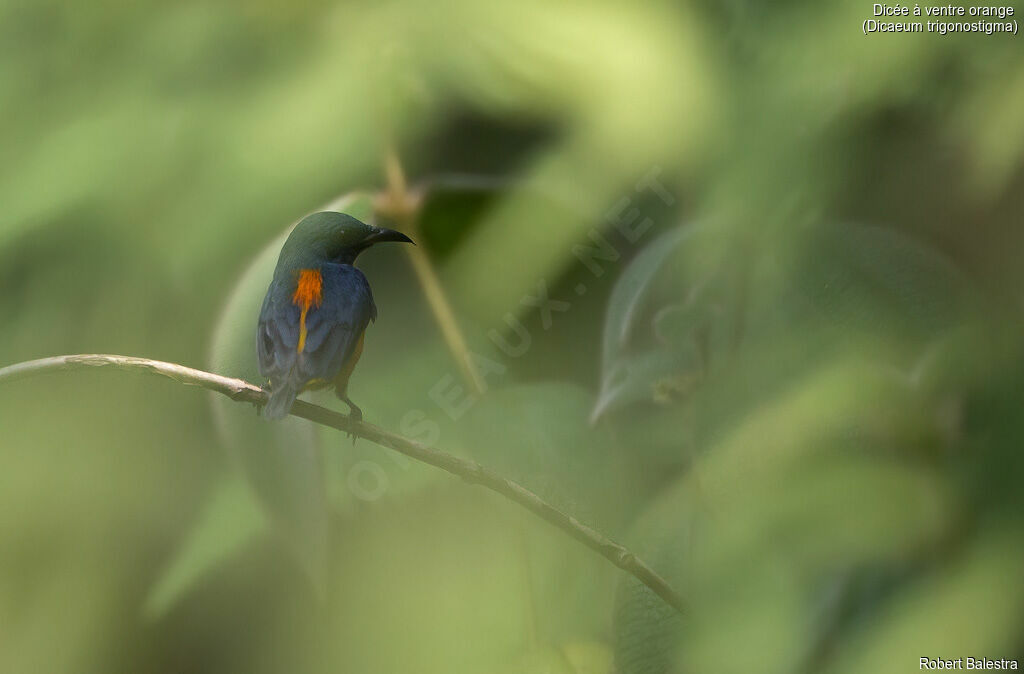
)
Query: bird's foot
[{"x": 354, "y": 414}]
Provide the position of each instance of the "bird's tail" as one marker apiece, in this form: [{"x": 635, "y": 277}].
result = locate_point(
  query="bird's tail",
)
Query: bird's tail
[{"x": 280, "y": 402}]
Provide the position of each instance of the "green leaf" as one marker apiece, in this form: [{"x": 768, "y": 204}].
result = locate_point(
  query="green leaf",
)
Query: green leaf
[
  {"x": 629, "y": 376},
  {"x": 630, "y": 289},
  {"x": 869, "y": 279},
  {"x": 939, "y": 614},
  {"x": 588, "y": 657},
  {"x": 664, "y": 324},
  {"x": 574, "y": 657},
  {"x": 653, "y": 376},
  {"x": 546, "y": 661},
  {"x": 646, "y": 630},
  {"x": 229, "y": 521},
  {"x": 798, "y": 491}
]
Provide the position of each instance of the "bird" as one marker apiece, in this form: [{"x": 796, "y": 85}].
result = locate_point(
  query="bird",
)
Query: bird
[{"x": 316, "y": 310}]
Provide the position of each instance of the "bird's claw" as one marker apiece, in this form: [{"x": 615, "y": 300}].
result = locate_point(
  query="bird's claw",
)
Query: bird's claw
[{"x": 355, "y": 415}]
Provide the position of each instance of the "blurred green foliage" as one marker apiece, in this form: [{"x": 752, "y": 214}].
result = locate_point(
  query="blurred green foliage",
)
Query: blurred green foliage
[{"x": 786, "y": 367}]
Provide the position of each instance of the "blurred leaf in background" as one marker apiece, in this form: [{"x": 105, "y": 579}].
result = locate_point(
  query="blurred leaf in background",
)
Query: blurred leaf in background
[{"x": 742, "y": 283}]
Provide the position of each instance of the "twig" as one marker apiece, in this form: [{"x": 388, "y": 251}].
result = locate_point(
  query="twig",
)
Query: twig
[
  {"x": 400, "y": 204},
  {"x": 470, "y": 471}
]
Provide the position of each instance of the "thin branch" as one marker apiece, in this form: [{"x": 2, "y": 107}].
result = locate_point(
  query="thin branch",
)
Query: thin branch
[
  {"x": 470, "y": 471},
  {"x": 402, "y": 205}
]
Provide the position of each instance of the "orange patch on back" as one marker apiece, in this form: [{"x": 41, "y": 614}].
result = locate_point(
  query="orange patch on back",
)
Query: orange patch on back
[
  {"x": 308, "y": 293},
  {"x": 309, "y": 289}
]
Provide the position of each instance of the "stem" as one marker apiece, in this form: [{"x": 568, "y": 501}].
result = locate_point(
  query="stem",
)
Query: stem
[
  {"x": 403, "y": 206},
  {"x": 470, "y": 471}
]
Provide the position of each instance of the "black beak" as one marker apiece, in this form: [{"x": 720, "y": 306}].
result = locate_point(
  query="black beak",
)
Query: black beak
[{"x": 380, "y": 234}]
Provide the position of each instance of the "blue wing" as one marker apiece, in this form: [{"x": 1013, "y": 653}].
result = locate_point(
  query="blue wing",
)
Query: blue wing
[{"x": 333, "y": 330}]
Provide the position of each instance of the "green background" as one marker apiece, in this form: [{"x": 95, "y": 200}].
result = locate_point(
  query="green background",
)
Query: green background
[{"x": 794, "y": 389}]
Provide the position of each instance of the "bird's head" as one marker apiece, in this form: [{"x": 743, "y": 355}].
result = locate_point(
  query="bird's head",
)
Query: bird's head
[{"x": 334, "y": 237}]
